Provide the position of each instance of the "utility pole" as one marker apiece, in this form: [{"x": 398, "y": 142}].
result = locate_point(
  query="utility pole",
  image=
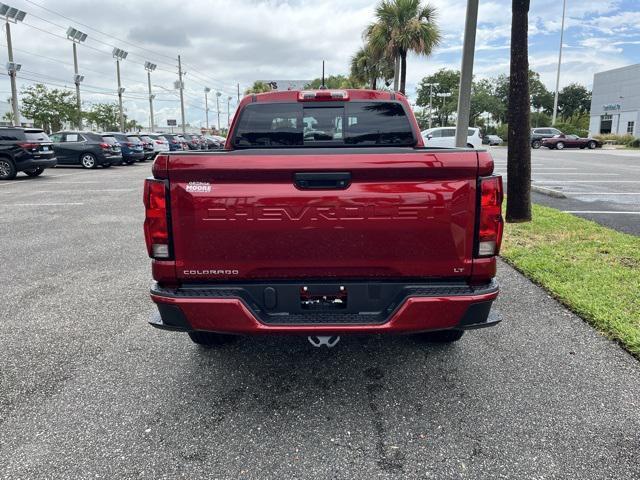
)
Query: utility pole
[
  {"x": 150, "y": 67},
  {"x": 228, "y": 111},
  {"x": 431, "y": 85},
  {"x": 218, "y": 95},
  {"x": 181, "y": 86},
  {"x": 206, "y": 105},
  {"x": 555, "y": 99},
  {"x": 119, "y": 54},
  {"x": 444, "y": 96},
  {"x": 238, "y": 92},
  {"x": 466, "y": 74},
  {"x": 12, "y": 15},
  {"x": 76, "y": 36}
]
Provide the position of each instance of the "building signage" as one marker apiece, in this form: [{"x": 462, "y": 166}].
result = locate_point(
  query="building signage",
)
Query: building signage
[
  {"x": 172, "y": 123},
  {"x": 611, "y": 106}
]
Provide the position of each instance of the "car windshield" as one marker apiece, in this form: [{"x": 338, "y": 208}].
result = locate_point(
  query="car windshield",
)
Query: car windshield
[
  {"x": 36, "y": 136},
  {"x": 111, "y": 140}
]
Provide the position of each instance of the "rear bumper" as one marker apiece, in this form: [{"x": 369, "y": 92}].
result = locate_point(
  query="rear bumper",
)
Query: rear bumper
[
  {"x": 232, "y": 309},
  {"x": 30, "y": 163}
]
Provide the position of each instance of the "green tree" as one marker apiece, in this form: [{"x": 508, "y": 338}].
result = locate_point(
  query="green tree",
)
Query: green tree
[
  {"x": 105, "y": 116},
  {"x": 369, "y": 66},
  {"x": 541, "y": 98},
  {"x": 335, "y": 81},
  {"x": 519, "y": 151},
  {"x": 258, "y": 87},
  {"x": 49, "y": 109},
  {"x": 573, "y": 99},
  {"x": 403, "y": 26},
  {"x": 448, "y": 82}
]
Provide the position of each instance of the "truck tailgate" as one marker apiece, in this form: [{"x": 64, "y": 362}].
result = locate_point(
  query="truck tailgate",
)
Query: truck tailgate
[{"x": 401, "y": 213}]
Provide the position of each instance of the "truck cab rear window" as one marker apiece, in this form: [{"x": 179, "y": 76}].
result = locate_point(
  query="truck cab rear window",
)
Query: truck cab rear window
[{"x": 302, "y": 124}]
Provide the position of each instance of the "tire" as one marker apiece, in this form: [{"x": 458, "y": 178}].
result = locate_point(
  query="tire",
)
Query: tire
[
  {"x": 208, "y": 340},
  {"x": 536, "y": 144},
  {"x": 470, "y": 146},
  {"x": 441, "y": 336},
  {"x": 106, "y": 165},
  {"x": 34, "y": 172},
  {"x": 592, "y": 145},
  {"x": 88, "y": 160},
  {"x": 7, "y": 169},
  {"x": 130, "y": 161},
  {"x": 559, "y": 146}
]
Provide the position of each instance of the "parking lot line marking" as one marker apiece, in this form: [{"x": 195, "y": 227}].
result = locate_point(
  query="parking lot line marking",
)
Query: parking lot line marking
[
  {"x": 602, "y": 211},
  {"x": 580, "y": 173},
  {"x": 589, "y": 181},
  {"x": 603, "y": 193},
  {"x": 40, "y": 204}
]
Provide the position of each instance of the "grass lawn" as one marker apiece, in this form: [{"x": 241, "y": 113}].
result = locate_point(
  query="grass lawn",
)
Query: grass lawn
[{"x": 592, "y": 269}]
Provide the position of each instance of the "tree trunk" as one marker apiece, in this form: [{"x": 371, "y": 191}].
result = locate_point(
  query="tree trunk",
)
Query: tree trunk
[
  {"x": 396, "y": 73},
  {"x": 519, "y": 150},
  {"x": 374, "y": 83},
  {"x": 403, "y": 71}
]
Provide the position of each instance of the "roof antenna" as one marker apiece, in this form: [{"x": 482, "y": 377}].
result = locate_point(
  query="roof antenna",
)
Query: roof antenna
[{"x": 323, "y": 86}]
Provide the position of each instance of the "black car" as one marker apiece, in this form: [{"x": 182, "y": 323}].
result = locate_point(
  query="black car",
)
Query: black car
[
  {"x": 86, "y": 149},
  {"x": 175, "y": 144},
  {"x": 538, "y": 134},
  {"x": 192, "y": 141},
  {"x": 27, "y": 150},
  {"x": 147, "y": 144}
]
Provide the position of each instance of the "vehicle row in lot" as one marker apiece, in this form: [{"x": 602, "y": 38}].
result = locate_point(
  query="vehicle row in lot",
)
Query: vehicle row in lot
[
  {"x": 31, "y": 150},
  {"x": 553, "y": 138}
]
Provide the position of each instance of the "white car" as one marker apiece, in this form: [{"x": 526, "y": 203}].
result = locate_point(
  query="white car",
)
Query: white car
[
  {"x": 160, "y": 144},
  {"x": 446, "y": 137}
]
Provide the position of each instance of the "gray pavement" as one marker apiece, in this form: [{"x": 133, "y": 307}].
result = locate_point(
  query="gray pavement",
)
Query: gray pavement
[
  {"x": 88, "y": 390},
  {"x": 601, "y": 185}
]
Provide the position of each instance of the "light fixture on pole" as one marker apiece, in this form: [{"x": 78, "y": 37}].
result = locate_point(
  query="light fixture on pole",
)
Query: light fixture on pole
[
  {"x": 218, "y": 95},
  {"x": 119, "y": 54},
  {"x": 150, "y": 67},
  {"x": 76, "y": 36},
  {"x": 431, "y": 85},
  {"x": 206, "y": 105},
  {"x": 228, "y": 110},
  {"x": 180, "y": 85},
  {"x": 12, "y": 15},
  {"x": 555, "y": 98}
]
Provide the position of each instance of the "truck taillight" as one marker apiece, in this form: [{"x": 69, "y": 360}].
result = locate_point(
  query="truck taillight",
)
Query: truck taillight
[
  {"x": 156, "y": 222},
  {"x": 490, "y": 217}
]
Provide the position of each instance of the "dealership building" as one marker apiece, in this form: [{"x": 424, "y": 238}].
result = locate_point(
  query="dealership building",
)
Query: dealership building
[{"x": 615, "y": 102}]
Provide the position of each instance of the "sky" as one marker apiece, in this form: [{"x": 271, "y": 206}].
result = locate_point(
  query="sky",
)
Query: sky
[{"x": 223, "y": 43}]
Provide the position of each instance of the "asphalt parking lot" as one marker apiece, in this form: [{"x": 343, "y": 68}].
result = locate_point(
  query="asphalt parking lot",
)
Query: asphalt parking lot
[
  {"x": 89, "y": 390},
  {"x": 602, "y": 185}
]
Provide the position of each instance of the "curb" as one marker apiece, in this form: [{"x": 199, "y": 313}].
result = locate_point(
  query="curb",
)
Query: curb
[{"x": 548, "y": 191}]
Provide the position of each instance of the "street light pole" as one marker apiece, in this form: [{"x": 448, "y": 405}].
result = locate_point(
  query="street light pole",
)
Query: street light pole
[
  {"x": 119, "y": 54},
  {"x": 431, "y": 85},
  {"x": 466, "y": 74},
  {"x": 150, "y": 67},
  {"x": 181, "y": 86},
  {"x": 12, "y": 15},
  {"x": 76, "y": 36},
  {"x": 555, "y": 99},
  {"x": 444, "y": 96},
  {"x": 228, "y": 111},
  {"x": 206, "y": 105},
  {"x": 218, "y": 95}
]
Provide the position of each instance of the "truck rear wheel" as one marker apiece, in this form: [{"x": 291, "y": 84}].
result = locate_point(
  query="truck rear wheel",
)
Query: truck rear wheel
[
  {"x": 442, "y": 336},
  {"x": 207, "y": 339}
]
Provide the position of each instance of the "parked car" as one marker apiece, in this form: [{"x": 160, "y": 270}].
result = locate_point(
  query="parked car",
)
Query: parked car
[
  {"x": 492, "y": 140},
  {"x": 184, "y": 142},
  {"x": 160, "y": 143},
  {"x": 131, "y": 151},
  {"x": 27, "y": 150},
  {"x": 175, "y": 143},
  {"x": 86, "y": 149},
  {"x": 213, "y": 143},
  {"x": 539, "y": 134},
  {"x": 446, "y": 137},
  {"x": 559, "y": 142},
  {"x": 383, "y": 235},
  {"x": 146, "y": 142},
  {"x": 116, "y": 150},
  {"x": 193, "y": 142}
]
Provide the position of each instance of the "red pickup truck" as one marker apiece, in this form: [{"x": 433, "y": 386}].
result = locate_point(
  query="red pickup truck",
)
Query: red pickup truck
[{"x": 325, "y": 215}]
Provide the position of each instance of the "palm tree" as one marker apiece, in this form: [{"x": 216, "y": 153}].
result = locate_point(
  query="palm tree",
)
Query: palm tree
[
  {"x": 519, "y": 153},
  {"x": 403, "y": 26},
  {"x": 367, "y": 67}
]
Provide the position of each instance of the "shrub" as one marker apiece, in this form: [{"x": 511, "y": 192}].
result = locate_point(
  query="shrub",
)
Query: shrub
[{"x": 616, "y": 139}]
